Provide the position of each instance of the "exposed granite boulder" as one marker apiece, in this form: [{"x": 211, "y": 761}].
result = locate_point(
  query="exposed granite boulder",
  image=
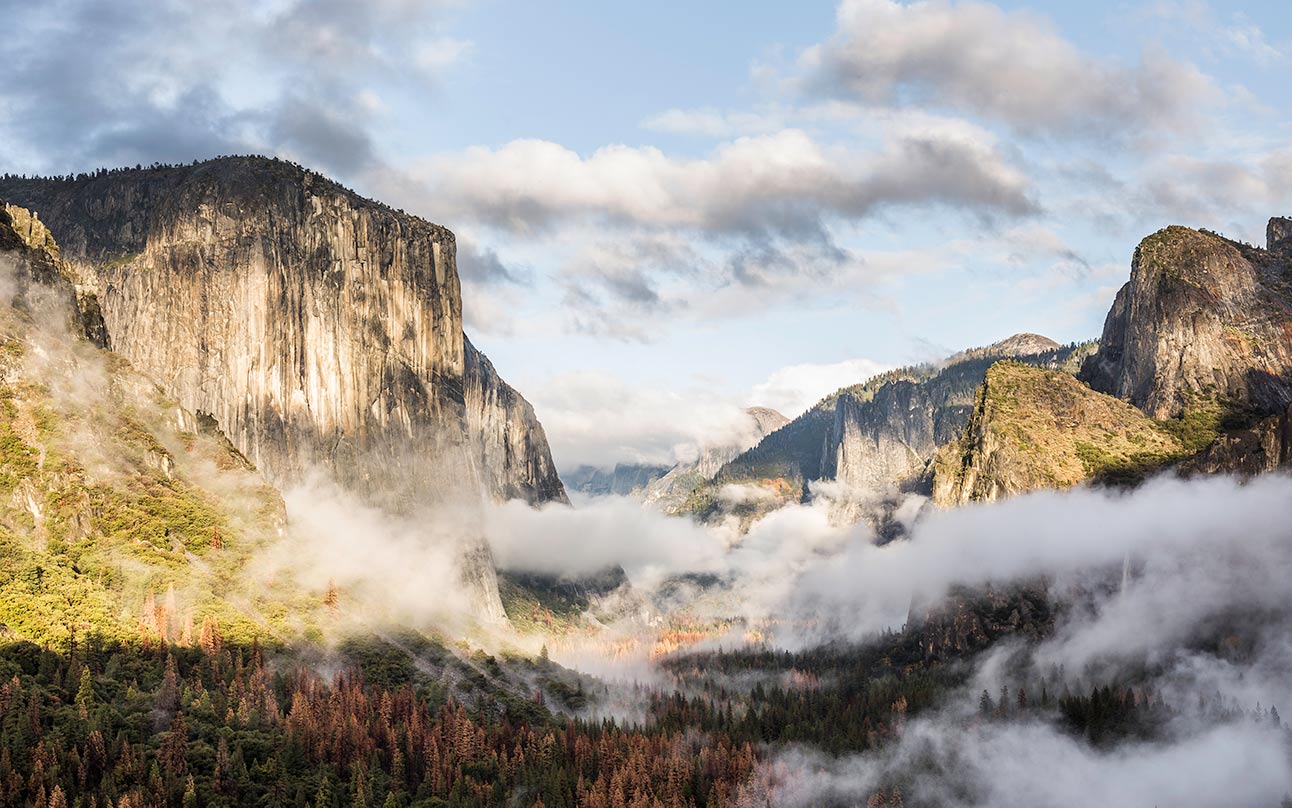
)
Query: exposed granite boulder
[
  {"x": 1278, "y": 235},
  {"x": 1202, "y": 319}
]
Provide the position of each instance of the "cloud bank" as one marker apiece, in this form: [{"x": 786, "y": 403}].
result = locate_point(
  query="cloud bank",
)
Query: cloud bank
[{"x": 1011, "y": 66}]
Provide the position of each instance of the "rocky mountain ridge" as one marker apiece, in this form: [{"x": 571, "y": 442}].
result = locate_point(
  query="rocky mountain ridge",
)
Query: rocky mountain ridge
[
  {"x": 875, "y": 439},
  {"x": 622, "y": 480}
]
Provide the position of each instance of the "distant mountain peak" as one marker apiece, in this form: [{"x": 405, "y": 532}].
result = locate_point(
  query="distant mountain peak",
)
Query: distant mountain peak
[
  {"x": 767, "y": 419},
  {"x": 1023, "y": 345}
]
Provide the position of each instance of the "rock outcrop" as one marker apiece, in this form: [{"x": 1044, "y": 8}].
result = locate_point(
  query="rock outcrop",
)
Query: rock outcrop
[
  {"x": 1034, "y": 428},
  {"x": 318, "y": 328},
  {"x": 1202, "y": 320},
  {"x": 1264, "y": 446},
  {"x": 1278, "y": 235}
]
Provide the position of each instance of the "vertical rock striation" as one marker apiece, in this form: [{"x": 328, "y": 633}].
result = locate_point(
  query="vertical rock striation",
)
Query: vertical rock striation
[
  {"x": 511, "y": 446},
  {"x": 320, "y": 329}
]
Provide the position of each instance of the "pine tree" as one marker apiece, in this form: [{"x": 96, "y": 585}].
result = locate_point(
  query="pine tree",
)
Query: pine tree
[
  {"x": 210, "y": 640},
  {"x": 57, "y": 799},
  {"x": 323, "y": 798},
  {"x": 174, "y": 750},
  {"x": 984, "y": 703},
  {"x": 168, "y": 694},
  {"x": 85, "y": 694}
]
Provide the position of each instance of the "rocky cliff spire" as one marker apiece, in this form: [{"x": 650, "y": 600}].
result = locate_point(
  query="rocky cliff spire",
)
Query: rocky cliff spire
[
  {"x": 1202, "y": 320},
  {"x": 1278, "y": 234}
]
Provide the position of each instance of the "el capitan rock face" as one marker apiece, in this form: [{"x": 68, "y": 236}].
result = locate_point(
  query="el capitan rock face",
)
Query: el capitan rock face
[
  {"x": 317, "y": 327},
  {"x": 1202, "y": 319}
]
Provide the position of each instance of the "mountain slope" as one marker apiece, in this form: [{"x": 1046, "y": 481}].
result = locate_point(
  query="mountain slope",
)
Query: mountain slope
[
  {"x": 873, "y": 438},
  {"x": 1035, "y": 428},
  {"x": 318, "y": 328},
  {"x": 121, "y": 514},
  {"x": 1196, "y": 348},
  {"x": 625, "y": 479}
]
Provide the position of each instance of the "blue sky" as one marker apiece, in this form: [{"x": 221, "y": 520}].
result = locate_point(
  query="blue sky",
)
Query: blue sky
[{"x": 667, "y": 211}]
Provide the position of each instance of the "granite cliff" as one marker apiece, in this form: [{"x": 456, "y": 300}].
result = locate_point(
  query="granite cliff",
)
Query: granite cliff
[
  {"x": 319, "y": 329},
  {"x": 1202, "y": 320}
]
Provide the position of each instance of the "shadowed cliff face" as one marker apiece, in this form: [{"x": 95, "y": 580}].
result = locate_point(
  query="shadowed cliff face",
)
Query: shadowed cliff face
[
  {"x": 1202, "y": 319},
  {"x": 318, "y": 328}
]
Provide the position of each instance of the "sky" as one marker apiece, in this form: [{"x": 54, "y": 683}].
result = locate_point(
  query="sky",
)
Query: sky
[{"x": 669, "y": 211}]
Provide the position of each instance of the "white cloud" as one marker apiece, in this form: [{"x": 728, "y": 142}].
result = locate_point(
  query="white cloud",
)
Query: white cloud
[
  {"x": 1236, "y": 534},
  {"x": 1235, "y": 35},
  {"x": 637, "y": 235},
  {"x": 1007, "y": 65},
  {"x": 560, "y": 540},
  {"x": 442, "y": 53},
  {"x": 1218, "y": 192},
  {"x": 598, "y": 419},
  {"x": 1025, "y": 765},
  {"x": 794, "y": 388},
  {"x": 142, "y": 81},
  {"x": 785, "y": 183},
  {"x": 422, "y": 570}
]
